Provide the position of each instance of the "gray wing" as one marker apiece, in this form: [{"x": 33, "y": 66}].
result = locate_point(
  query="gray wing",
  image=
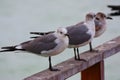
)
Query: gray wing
[
  {"x": 37, "y": 45},
  {"x": 78, "y": 34},
  {"x": 80, "y": 23}
]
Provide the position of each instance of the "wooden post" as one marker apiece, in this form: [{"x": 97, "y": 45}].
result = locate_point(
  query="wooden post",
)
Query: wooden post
[{"x": 95, "y": 72}]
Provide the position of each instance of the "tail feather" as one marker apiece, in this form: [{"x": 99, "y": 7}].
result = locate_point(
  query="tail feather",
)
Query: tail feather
[
  {"x": 8, "y": 48},
  {"x": 42, "y": 33},
  {"x": 34, "y": 37},
  {"x": 5, "y": 50},
  {"x": 37, "y": 33}
]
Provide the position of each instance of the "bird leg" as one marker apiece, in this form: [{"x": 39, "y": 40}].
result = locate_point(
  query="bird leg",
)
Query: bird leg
[
  {"x": 75, "y": 54},
  {"x": 79, "y": 56},
  {"x": 90, "y": 44},
  {"x": 91, "y": 48},
  {"x": 50, "y": 65}
]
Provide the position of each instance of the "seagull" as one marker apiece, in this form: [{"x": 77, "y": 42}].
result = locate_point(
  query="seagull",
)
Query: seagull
[
  {"x": 79, "y": 34},
  {"x": 46, "y": 46},
  {"x": 100, "y": 25}
]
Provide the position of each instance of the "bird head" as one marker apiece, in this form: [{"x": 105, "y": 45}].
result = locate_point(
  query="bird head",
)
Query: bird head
[
  {"x": 62, "y": 31},
  {"x": 90, "y": 16},
  {"x": 102, "y": 16}
]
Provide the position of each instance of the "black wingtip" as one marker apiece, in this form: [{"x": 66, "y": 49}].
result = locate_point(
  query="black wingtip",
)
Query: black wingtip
[
  {"x": 42, "y": 33},
  {"x": 115, "y": 13},
  {"x": 37, "y": 33},
  {"x": 8, "y": 48},
  {"x": 34, "y": 37},
  {"x": 5, "y": 50},
  {"x": 114, "y": 7}
]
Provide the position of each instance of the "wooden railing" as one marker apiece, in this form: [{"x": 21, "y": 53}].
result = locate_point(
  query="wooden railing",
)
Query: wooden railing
[{"x": 93, "y": 69}]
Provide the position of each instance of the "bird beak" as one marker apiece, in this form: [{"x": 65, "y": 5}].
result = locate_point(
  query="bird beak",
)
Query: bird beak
[
  {"x": 109, "y": 18},
  {"x": 66, "y": 35}
]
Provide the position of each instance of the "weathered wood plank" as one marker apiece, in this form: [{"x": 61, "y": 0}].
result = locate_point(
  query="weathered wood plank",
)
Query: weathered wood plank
[{"x": 71, "y": 67}]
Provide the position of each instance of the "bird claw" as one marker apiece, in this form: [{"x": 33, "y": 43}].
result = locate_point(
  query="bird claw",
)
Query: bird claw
[
  {"x": 54, "y": 69},
  {"x": 81, "y": 60},
  {"x": 93, "y": 50}
]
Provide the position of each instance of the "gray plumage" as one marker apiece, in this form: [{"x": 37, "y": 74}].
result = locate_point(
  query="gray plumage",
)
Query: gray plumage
[
  {"x": 78, "y": 34},
  {"x": 40, "y": 44}
]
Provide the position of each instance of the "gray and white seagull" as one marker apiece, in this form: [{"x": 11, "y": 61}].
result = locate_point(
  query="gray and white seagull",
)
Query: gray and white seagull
[
  {"x": 79, "y": 34},
  {"x": 100, "y": 25},
  {"x": 47, "y": 45}
]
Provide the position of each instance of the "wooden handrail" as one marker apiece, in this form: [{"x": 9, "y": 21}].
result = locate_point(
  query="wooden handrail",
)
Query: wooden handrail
[{"x": 95, "y": 61}]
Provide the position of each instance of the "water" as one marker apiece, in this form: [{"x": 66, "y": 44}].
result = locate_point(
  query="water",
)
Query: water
[{"x": 19, "y": 17}]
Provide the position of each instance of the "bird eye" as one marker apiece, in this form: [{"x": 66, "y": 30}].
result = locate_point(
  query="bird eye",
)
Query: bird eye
[
  {"x": 97, "y": 18},
  {"x": 60, "y": 32}
]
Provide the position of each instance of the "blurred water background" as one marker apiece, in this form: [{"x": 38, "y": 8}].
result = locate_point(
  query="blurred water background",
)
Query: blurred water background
[{"x": 19, "y": 17}]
